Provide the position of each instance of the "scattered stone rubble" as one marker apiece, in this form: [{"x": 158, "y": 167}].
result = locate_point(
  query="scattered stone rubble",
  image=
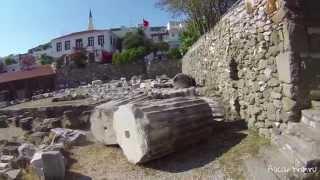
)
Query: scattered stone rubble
[{"x": 52, "y": 129}]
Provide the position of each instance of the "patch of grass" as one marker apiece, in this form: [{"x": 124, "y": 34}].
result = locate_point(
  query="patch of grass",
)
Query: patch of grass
[
  {"x": 231, "y": 161},
  {"x": 29, "y": 174}
]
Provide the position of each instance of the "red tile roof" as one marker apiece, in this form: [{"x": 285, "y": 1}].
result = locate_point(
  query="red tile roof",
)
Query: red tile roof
[
  {"x": 78, "y": 33},
  {"x": 29, "y": 74}
]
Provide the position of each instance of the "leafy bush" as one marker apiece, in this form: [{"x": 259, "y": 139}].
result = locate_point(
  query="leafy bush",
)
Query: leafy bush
[
  {"x": 9, "y": 61},
  {"x": 133, "y": 40},
  {"x": 188, "y": 38},
  {"x": 174, "y": 53},
  {"x": 129, "y": 55},
  {"x": 79, "y": 58},
  {"x": 45, "y": 59},
  {"x": 60, "y": 62}
]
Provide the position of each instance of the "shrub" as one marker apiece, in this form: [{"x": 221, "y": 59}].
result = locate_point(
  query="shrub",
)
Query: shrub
[
  {"x": 79, "y": 58},
  {"x": 9, "y": 61},
  {"x": 60, "y": 62},
  {"x": 45, "y": 59},
  {"x": 129, "y": 55},
  {"x": 188, "y": 38},
  {"x": 174, "y": 53},
  {"x": 133, "y": 40}
]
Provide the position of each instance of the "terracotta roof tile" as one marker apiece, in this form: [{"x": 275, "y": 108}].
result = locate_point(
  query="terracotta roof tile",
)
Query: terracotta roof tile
[{"x": 29, "y": 74}]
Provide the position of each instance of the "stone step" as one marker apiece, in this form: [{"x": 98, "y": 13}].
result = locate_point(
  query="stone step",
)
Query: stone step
[
  {"x": 256, "y": 169},
  {"x": 312, "y": 114},
  {"x": 315, "y": 94},
  {"x": 299, "y": 152},
  {"x": 304, "y": 132},
  {"x": 216, "y": 107},
  {"x": 315, "y": 104},
  {"x": 277, "y": 163},
  {"x": 311, "y": 118}
]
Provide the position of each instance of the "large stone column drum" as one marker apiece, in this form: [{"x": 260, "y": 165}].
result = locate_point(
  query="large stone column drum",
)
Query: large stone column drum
[
  {"x": 103, "y": 116},
  {"x": 152, "y": 129}
]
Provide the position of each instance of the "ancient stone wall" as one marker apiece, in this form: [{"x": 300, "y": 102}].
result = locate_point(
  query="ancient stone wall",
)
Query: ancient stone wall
[
  {"x": 252, "y": 59},
  {"x": 70, "y": 76},
  {"x": 168, "y": 67}
]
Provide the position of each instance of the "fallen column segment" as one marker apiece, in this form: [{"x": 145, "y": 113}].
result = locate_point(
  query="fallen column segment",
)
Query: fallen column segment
[
  {"x": 102, "y": 119},
  {"x": 152, "y": 129}
]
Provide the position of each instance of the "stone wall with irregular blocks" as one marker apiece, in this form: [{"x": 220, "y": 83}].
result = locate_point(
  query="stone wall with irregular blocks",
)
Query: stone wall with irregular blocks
[{"x": 262, "y": 59}]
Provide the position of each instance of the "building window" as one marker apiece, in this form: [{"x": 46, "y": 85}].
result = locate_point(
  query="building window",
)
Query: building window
[
  {"x": 90, "y": 41},
  {"x": 59, "y": 46},
  {"x": 101, "y": 40},
  {"x": 67, "y": 45},
  {"x": 111, "y": 40},
  {"x": 79, "y": 43}
]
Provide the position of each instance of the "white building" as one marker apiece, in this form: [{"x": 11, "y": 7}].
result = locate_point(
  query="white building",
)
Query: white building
[
  {"x": 95, "y": 42},
  {"x": 92, "y": 40},
  {"x": 174, "y": 28}
]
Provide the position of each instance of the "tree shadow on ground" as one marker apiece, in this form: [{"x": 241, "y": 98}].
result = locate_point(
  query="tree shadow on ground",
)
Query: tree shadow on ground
[{"x": 225, "y": 136}]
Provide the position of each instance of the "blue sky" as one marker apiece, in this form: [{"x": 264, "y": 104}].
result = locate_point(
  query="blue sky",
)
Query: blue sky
[{"x": 28, "y": 23}]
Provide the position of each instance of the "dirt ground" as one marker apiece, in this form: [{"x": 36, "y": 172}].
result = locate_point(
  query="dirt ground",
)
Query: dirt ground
[{"x": 219, "y": 158}]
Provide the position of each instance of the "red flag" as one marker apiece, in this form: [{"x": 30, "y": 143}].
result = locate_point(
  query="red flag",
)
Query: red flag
[{"x": 145, "y": 23}]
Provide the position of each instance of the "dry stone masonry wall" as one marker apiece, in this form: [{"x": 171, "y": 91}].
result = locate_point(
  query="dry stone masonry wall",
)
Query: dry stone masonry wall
[
  {"x": 258, "y": 59},
  {"x": 70, "y": 76}
]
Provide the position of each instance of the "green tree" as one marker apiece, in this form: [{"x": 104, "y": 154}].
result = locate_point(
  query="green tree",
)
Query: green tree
[
  {"x": 129, "y": 55},
  {"x": 79, "y": 58},
  {"x": 133, "y": 40},
  {"x": 174, "y": 53},
  {"x": 9, "y": 61},
  {"x": 60, "y": 61},
  {"x": 188, "y": 38},
  {"x": 45, "y": 59},
  {"x": 203, "y": 14}
]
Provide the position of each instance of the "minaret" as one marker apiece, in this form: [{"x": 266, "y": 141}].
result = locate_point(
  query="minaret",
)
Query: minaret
[{"x": 90, "y": 26}]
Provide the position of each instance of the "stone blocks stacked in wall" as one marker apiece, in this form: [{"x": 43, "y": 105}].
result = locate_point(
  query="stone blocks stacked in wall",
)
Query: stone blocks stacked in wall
[
  {"x": 69, "y": 76},
  {"x": 251, "y": 59}
]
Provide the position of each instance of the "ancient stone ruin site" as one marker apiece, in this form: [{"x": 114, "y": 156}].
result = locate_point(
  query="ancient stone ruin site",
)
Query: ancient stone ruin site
[{"x": 243, "y": 104}]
